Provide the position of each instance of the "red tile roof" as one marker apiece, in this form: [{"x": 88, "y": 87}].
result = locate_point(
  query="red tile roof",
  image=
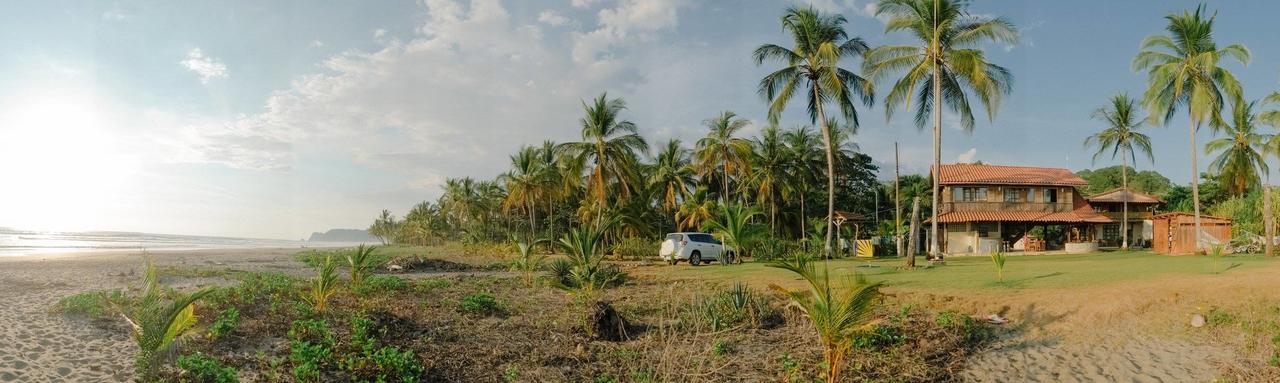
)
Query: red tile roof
[
  {"x": 1120, "y": 194},
  {"x": 974, "y": 174}
]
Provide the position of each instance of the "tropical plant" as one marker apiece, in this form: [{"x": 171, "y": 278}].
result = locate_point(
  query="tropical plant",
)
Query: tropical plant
[
  {"x": 384, "y": 227},
  {"x": 998, "y": 258},
  {"x": 946, "y": 65},
  {"x": 804, "y": 157},
  {"x": 158, "y": 322},
  {"x": 1121, "y": 138},
  {"x": 839, "y": 312},
  {"x": 323, "y": 287},
  {"x": 769, "y": 160},
  {"x": 672, "y": 176},
  {"x": 1272, "y": 118},
  {"x": 721, "y": 151},
  {"x": 584, "y": 271},
  {"x": 812, "y": 66},
  {"x": 1243, "y": 152},
  {"x": 1183, "y": 72},
  {"x": 525, "y": 183},
  {"x": 361, "y": 263},
  {"x": 734, "y": 227},
  {"x": 528, "y": 261},
  {"x": 610, "y": 144},
  {"x": 695, "y": 210}
]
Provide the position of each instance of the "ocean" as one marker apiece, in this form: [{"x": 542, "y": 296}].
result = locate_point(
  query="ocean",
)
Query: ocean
[{"x": 15, "y": 242}]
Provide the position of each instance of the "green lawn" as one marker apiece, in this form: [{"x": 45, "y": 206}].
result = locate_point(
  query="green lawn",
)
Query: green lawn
[{"x": 1034, "y": 271}]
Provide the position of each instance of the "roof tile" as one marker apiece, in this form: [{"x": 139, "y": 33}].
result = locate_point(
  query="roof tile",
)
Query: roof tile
[{"x": 960, "y": 174}]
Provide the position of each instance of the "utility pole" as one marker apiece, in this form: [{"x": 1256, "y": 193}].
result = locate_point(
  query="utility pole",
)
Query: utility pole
[{"x": 897, "y": 204}]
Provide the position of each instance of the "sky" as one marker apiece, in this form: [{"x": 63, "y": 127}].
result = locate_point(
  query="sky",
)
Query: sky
[{"x": 279, "y": 118}]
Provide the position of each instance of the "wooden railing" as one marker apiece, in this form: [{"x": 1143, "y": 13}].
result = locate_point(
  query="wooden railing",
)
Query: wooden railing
[
  {"x": 1133, "y": 215},
  {"x": 1039, "y": 207}
]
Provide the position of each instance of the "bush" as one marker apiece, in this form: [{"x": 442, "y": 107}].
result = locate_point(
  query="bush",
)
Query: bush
[
  {"x": 311, "y": 346},
  {"x": 372, "y": 363},
  {"x": 881, "y": 336},
  {"x": 380, "y": 285},
  {"x": 635, "y": 248},
  {"x": 94, "y": 305},
  {"x": 254, "y": 286},
  {"x": 729, "y": 308},
  {"x": 560, "y": 273},
  {"x": 427, "y": 285},
  {"x": 769, "y": 248},
  {"x": 483, "y": 304},
  {"x": 974, "y": 331},
  {"x": 225, "y": 323},
  {"x": 201, "y": 369}
]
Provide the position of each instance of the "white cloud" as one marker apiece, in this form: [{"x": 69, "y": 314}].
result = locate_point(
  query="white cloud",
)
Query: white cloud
[
  {"x": 583, "y": 3},
  {"x": 378, "y": 33},
  {"x": 316, "y": 44},
  {"x": 207, "y": 68},
  {"x": 552, "y": 18},
  {"x": 630, "y": 20},
  {"x": 968, "y": 156}
]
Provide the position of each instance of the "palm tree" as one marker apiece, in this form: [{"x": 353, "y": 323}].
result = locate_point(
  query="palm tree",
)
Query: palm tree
[
  {"x": 672, "y": 176},
  {"x": 804, "y": 157},
  {"x": 383, "y": 227},
  {"x": 769, "y": 159},
  {"x": 695, "y": 209},
  {"x": 1272, "y": 118},
  {"x": 946, "y": 66},
  {"x": 610, "y": 144},
  {"x": 733, "y": 226},
  {"x": 1121, "y": 137},
  {"x": 525, "y": 184},
  {"x": 1243, "y": 151},
  {"x": 720, "y": 150},
  {"x": 839, "y": 313},
  {"x": 1182, "y": 71},
  {"x": 812, "y": 66}
]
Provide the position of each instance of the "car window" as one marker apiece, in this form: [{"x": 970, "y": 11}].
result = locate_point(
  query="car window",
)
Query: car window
[
  {"x": 674, "y": 237},
  {"x": 704, "y": 238}
]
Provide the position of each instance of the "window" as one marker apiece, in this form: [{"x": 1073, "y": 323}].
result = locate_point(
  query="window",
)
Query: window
[
  {"x": 986, "y": 229},
  {"x": 1051, "y": 195},
  {"x": 1015, "y": 194},
  {"x": 971, "y": 194},
  {"x": 1110, "y": 232}
]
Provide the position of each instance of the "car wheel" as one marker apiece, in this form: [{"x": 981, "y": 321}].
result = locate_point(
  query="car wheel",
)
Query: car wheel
[{"x": 695, "y": 258}]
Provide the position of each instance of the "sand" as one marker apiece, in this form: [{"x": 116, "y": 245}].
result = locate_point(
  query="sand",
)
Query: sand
[
  {"x": 37, "y": 345},
  {"x": 1132, "y": 331}
]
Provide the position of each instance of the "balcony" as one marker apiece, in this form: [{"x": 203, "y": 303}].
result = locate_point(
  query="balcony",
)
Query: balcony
[
  {"x": 1133, "y": 215},
  {"x": 1037, "y": 207}
]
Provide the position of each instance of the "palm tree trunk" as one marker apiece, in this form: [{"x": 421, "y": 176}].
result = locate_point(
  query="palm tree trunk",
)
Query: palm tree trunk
[
  {"x": 1195, "y": 182},
  {"x": 1124, "y": 216},
  {"x": 804, "y": 232},
  {"x": 724, "y": 182},
  {"x": 831, "y": 170},
  {"x": 934, "y": 251},
  {"x": 1267, "y": 225},
  {"x": 533, "y": 221}
]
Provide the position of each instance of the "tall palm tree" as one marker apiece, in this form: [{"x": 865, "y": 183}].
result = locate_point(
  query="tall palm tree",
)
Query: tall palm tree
[
  {"x": 672, "y": 176},
  {"x": 695, "y": 209},
  {"x": 1243, "y": 151},
  {"x": 610, "y": 145},
  {"x": 804, "y": 158},
  {"x": 720, "y": 150},
  {"x": 1272, "y": 118},
  {"x": 945, "y": 66},
  {"x": 1121, "y": 137},
  {"x": 525, "y": 184},
  {"x": 552, "y": 188},
  {"x": 812, "y": 66},
  {"x": 1182, "y": 71},
  {"x": 769, "y": 175}
]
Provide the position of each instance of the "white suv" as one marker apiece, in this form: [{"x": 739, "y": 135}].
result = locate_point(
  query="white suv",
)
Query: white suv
[{"x": 697, "y": 248}]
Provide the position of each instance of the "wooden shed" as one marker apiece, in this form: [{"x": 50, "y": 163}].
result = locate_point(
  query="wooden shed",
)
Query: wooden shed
[{"x": 1175, "y": 233}]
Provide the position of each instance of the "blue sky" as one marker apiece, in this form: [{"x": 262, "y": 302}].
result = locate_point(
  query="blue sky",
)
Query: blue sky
[{"x": 275, "y": 119}]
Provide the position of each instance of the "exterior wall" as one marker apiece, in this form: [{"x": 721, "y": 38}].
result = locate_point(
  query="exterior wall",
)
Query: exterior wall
[{"x": 1175, "y": 234}]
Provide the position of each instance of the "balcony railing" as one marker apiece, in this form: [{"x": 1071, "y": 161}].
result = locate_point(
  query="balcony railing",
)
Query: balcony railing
[
  {"x": 1133, "y": 215},
  {"x": 1039, "y": 207}
]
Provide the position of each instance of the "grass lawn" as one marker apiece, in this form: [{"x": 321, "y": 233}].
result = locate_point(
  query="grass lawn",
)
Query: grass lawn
[{"x": 977, "y": 273}]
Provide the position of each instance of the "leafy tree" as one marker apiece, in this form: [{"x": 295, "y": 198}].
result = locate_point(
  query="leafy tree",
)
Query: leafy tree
[
  {"x": 721, "y": 151},
  {"x": 804, "y": 157},
  {"x": 769, "y": 178},
  {"x": 1183, "y": 72},
  {"x": 610, "y": 145},
  {"x": 734, "y": 227},
  {"x": 1121, "y": 137},
  {"x": 695, "y": 210},
  {"x": 946, "y": 65},
  {"x": 1108, "y": 178},
  {"x": 526, "y": 183},
  {"x": 1242, "y": 155},
  {"x": 812, "y": 66},
  {"x": 672, "y": 176}
]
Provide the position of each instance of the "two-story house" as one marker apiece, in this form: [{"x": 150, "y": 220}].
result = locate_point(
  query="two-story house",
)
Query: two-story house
[
  {"x": 988, "y": 208},
  {"x": 1141, "y": 207}
]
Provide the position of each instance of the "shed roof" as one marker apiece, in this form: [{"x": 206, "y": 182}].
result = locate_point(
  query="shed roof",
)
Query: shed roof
[
  {"x": 1121, "y": 194},
  {"x": 1183, "y": 213},
  {"x": 961, "y": 174}
]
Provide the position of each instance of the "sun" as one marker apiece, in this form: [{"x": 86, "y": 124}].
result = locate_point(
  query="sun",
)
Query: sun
[{"x": 60, "y": 160}]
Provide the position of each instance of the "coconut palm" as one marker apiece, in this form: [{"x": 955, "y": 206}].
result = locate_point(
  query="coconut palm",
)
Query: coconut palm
[
  {"x": 804, "y": 158},
  {"x": 839, "y": 312},
  {"x": 945, "y": 66},
  {"x": 695, "y": 209},
  {"x": 733, "y": 226},
  {"x": 1243, "y": 151},
  {"x": 610, "y": 144},
  {"x": 525, "y": 184},
  {"x": 158, "y": 323},
  {"x": 812, "y": 66},
  {"x": 769, "y": 161},
  {"x": 1121, "y": 137},
  {"x": 1183, "y": 72},
  {"x": 672, "y": 176},
  {"x": 721, "y": 151},
  {"x": 1272, "y": 118}
]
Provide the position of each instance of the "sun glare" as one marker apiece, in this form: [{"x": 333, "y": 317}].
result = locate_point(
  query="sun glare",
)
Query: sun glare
[{"x": 62, "y": 165}]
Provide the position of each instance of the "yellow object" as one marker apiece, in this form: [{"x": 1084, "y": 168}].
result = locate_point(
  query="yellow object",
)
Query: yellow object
[{"x": 864, "y": 248}]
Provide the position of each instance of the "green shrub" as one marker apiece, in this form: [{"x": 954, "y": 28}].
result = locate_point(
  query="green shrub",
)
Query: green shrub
[
  {"x": 198, "y": 368},
  {"x": 729, "y": 308},
  {"x": 973, "y": 330},
  {"x": 722, "y": 347},
  {"x": 378, "y": 364},
  {"x": 880, "y": 336},
  {"x": 483, "y": 304},
  {"x": 769, "y": 248},
  {"x": 311, "y": 346},
  {"x": 376, "y": 285},
  {"x": 1219, "y": 317},
  {"x": 256, "y": 286},
  {"x": 94, "y": 305},
  {"x": 635, "y": 248},
  {"x": 429, "y": 284},
  {"x": 225, "y": 323}
]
